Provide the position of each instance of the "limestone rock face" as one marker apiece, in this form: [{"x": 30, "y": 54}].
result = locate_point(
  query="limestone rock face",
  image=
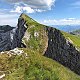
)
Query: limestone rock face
[
  {"x": 62, "y": 50},
  {"x": 11, "y": 37}
]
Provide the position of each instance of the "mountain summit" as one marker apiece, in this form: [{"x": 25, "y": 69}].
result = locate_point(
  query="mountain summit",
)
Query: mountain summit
[
  {"x": 51, "y": 43},
  {"x": 38, "y": 43}
]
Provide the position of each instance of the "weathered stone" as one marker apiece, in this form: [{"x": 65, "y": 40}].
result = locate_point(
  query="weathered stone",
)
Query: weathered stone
[
  {"x": 11, "y": 37},
  {"x": 58, "y": 48},
  {"x": 36, "y": 34},
  {"x": 62, "y": 50}
]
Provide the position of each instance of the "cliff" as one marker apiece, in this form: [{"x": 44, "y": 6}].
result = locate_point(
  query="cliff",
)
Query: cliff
[
  {"x": 62, "y": 50},
  {"x": 35, "y": 44},
  {"x": 52, "y": 43},
  {"x": 11, "y": 37}
]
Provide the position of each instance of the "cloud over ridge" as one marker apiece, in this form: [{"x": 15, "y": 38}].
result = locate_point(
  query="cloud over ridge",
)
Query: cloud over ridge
[{"x": 31, "y": 6}]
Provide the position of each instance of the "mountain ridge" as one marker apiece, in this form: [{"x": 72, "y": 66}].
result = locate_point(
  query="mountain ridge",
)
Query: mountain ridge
[
  {"x": 57, "y": 45},
  {"x": 42, "y": 53}
]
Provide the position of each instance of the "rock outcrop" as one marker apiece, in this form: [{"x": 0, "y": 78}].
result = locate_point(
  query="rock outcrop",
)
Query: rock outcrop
[
  {"x": 47, "y": 39},
  {"x": 11, "y": 37},
  {"x": 62, "y": 50}
]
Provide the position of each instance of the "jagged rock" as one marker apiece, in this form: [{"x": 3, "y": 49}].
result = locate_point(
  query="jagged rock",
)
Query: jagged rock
[
  {"x": 58, "y": 48},
  {"x": 11, "y": 37},
  {"x": 27, "y": 35},
  {"x": 62, "y": 50},
  {"x": 16, "y": 51},
  {"x": 19, "y": 33}
]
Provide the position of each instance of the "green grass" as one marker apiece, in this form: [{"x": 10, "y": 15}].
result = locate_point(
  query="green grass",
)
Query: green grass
[
  {"x": 39, "y": 43},
  {"x": 35, "y": 43},
  {"x": 74, "y": 38},
  {"x": 34, "y": 67}
]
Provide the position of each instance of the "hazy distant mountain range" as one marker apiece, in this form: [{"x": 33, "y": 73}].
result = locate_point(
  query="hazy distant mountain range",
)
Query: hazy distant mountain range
[
  {"x": 67, "y": 28},
  {"x": 76, "y": 32}
]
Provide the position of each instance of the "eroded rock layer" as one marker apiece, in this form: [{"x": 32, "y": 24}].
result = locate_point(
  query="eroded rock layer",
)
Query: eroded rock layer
[
  {"x": 47, "y": 40},
  {"x": 62, "y": 50},
  {"x": 11, "y": 37}
]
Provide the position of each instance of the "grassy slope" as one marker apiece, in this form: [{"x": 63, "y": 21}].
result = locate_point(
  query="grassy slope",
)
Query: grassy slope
[
  {"x": 35, "y": 43},
  {"x": 34, "y": 67},
  {"x": 41, "y": 29},
  {"x": 74, "y": 38}
]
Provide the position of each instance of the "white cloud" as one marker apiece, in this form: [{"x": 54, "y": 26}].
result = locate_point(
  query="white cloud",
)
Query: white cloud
[
  {"x": 20, "y": 9},
  {"x": 31, "y": 6},
  {"x": 8, "y": 19},
  {"x": 69, "y": 21},
  {"x": 28, "y": 9}
]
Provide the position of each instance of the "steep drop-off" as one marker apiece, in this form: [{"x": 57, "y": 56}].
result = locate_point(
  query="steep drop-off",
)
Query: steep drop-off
[
  {"x": 45, "y": 40},
  {"x": 62, "y": 50},
  {"x": 51, "y": 43},
  {"x": 11, "y": 37}
]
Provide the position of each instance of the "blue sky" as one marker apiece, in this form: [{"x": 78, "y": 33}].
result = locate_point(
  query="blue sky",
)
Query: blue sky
[{"x": 50, "y": 12}]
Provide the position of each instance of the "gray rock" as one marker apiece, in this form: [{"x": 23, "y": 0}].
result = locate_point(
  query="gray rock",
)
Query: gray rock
[
  {"x": 10, "y": 37},
  {"x": 62, "y": 50}
]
